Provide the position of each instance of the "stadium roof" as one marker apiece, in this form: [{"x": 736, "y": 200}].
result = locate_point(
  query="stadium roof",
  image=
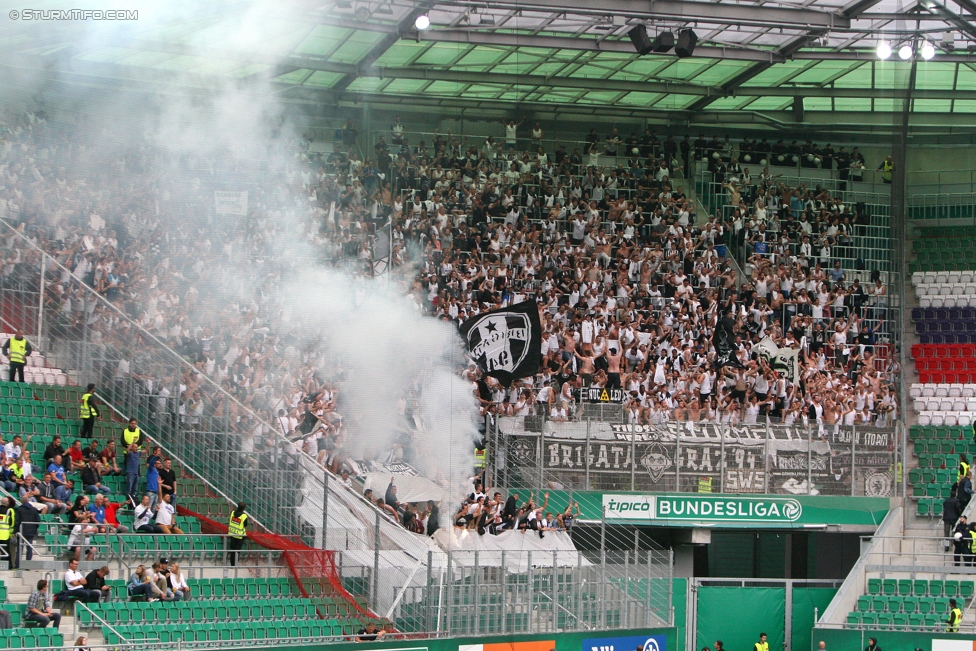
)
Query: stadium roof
[{"x": 572, "y": 55}]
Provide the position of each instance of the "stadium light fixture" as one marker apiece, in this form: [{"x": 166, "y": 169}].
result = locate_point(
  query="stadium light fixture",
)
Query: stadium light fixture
[
  {"x": 905, "y": 52},
  {"x": 422, "y": 22},
  {"x": 884, "y": 50},
  {"x": 928, "y": 50}
]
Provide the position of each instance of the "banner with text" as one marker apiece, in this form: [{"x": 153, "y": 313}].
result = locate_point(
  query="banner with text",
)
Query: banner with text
[
  {"x": 782, "y": 460},
  {"x": 230, "y": 203}
]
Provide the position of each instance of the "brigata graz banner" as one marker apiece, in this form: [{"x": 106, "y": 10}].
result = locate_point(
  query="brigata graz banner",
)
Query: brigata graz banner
[{"x": 778, "y": 459}]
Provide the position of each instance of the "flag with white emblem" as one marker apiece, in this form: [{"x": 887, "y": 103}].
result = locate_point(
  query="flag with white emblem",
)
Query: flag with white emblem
[{"x": 506, "y": 343}]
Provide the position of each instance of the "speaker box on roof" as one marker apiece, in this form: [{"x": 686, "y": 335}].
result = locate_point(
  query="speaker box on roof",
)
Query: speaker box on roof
[
  {"x": 663, "y": 42},
  {"x": 685, "y": 46},
  {"x": 638, "y": 36}
]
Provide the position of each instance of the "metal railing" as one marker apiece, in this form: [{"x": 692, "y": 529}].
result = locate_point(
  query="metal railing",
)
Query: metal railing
[
  {"x": 498, "y": 592},
  {"x": 918, "y": 554}
]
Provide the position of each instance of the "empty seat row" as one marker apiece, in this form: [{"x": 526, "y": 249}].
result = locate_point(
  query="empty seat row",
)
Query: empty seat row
[
  {"x": 69, "y": 394},
  {"x": 944, "y": 447},
  {"x": 946, "y": 289},
  {"x": 938, "y": 461},
  {"x": 199, "y": 611},
  {"x": 945, "y": 326},
  {"x": 895, "y": 621},
  {"x": 964, "y": 418},
  {"x": 920, "y": 588},
  {"x": 944, "y": 404},
  {"x": 949, "y": 338},
  {"x": 954, "y": 351},
  {"x": 32, "y": 409},
  {"x": 943, "y": 265},
  {"x": 930, "y": 475},
  {"x": 936, "y": 491},
  {"x": 224, "y": 631},
  {"x": 942, "y": 245},
  {"x": 947, "y": 300},
  {"x": 943, "y": 390},
  {"x": 955, "y": 432},
  {"x": 942, "y": 364},
  {"x": 30, "y": 638},
  {"x": 897, "y": 604}
]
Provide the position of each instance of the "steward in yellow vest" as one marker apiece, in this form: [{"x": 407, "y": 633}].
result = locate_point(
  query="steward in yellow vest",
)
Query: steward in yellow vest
[
  {"x": 955, "y": 617},
  {"x": 131, "y": 434},
  {"x": 17, "y": 349},
  {"x": 236, "y": 531},
  {"x": 88, "y": 412}
]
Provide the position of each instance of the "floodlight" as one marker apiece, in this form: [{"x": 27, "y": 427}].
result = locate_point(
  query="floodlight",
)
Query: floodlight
[
  {"x": 928, "y": 50},
  {"x": 422, "y": 22},
  {"x": 905, "y": 52},
  {"x": 884, "y": 50}
]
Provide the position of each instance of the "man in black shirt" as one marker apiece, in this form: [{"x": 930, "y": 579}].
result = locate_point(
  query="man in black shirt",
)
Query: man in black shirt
[
  {"x": 369, "y": 633},
  {"x": 53, "y": 449},
  {"x": 167, "y": 481},
  {"x": 96, "y": 581},
  {"x": 510, "y": 514}
]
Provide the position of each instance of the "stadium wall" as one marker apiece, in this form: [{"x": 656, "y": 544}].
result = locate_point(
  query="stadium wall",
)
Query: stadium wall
[
  {"x": 838, "y": 638},
  {"x": 657, "y": 639}
]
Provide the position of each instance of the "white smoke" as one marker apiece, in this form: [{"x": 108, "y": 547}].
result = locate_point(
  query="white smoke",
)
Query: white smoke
[{"x": 388, "y": 351}]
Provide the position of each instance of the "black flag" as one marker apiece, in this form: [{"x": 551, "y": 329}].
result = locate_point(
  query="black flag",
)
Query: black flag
[
  {"x": 724, "y": 342},
  {"x": 506, "y": 343}
]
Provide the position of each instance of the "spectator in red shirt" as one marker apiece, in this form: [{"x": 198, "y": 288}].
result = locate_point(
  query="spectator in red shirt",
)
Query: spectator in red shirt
[{"x": 77, "y": 456}]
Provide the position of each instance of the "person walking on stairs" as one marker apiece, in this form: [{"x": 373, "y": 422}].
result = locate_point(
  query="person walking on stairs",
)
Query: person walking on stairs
[
  {"x": 88, "y": 412},
  {"x": 237, "y": 531}
]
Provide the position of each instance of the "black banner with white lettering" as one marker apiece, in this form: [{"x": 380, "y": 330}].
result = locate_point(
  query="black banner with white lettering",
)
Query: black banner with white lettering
[
  {"x": 506, "y": 343},
  {"x": 837, "y": 461}
]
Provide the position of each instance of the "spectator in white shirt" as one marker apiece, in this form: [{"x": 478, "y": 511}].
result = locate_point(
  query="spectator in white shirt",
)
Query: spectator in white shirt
[{"x": 74, "y": 583}]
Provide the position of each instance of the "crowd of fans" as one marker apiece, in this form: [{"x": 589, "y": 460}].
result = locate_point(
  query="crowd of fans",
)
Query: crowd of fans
[{"x": 630, "y": 277}]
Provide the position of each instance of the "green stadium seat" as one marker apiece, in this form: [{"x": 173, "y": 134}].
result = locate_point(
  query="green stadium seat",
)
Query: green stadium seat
[
  {"x": 900, "y": 622},
  {"x": 920, "y": 587},
  {"x": 905, "y": 587},
  {"x": 874, "y": 586},
  {"x": 966, "y": 589},
  {"x": 926, "y": 605},
  {"x": 911, "y": 605},
  {"x": 936, "y": 588},
  {"x": 952, "y": 588},
  {"x": 889, "y": 587},
  {"x": 879, "y": 604},
  {"x": 868, "y": 619},
  {"x": 896, "y": 604}
]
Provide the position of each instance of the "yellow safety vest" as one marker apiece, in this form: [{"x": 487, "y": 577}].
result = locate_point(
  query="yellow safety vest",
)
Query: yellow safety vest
[
  {"x": 762, "y": 646},
  {"x": 963, "y": 470},
  {"x": 86, "y": 411},
  {"x": 18, "y": 471},
  {"x": 6, "y": 525},
  {"x": 131, "y": 436},
  {"x": 704, "y": 484},
  {"x": 886, "y": 169},
  {"x": 17, "y": 352},
  {"x": 235, "y": 528},
  {"x": 954, "y": 618},
  {"x": 479, "y": 457}
]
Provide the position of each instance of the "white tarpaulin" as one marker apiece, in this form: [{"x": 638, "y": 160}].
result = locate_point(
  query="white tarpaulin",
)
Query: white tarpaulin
[
  {"x": 230, "y": 203},
  {"x": 409, "y": 488},
  {"x": 556, "y": 548}
]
